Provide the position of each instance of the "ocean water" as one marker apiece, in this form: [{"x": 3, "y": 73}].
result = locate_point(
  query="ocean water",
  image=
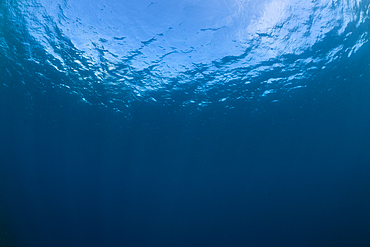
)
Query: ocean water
[{"x": 184, "y": 123}]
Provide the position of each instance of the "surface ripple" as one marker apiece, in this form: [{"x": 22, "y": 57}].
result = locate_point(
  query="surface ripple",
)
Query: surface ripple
[{"x": 183, "y": 53}]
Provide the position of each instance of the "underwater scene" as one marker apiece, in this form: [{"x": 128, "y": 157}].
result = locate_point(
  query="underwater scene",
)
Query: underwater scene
[{"x": 184, "y": 123}]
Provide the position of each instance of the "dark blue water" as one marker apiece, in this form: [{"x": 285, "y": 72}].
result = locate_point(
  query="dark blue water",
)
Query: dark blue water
[{"x": 184, "y": 123}]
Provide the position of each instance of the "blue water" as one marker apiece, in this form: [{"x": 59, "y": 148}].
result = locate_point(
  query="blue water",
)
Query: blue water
[{"x": 184, "y": 123}]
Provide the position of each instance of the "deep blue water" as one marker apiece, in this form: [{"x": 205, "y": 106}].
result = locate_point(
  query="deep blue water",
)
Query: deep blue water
[{"x": 184, "y": 123}]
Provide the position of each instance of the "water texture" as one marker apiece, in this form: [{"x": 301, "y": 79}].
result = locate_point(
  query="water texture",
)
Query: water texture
[
  {"x": 185, "y": 53},
  {"x": 184, "y": 123}
]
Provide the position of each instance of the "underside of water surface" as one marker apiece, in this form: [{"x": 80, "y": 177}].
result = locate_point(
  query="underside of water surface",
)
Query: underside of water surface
[{"x": 188, "y": 54}]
